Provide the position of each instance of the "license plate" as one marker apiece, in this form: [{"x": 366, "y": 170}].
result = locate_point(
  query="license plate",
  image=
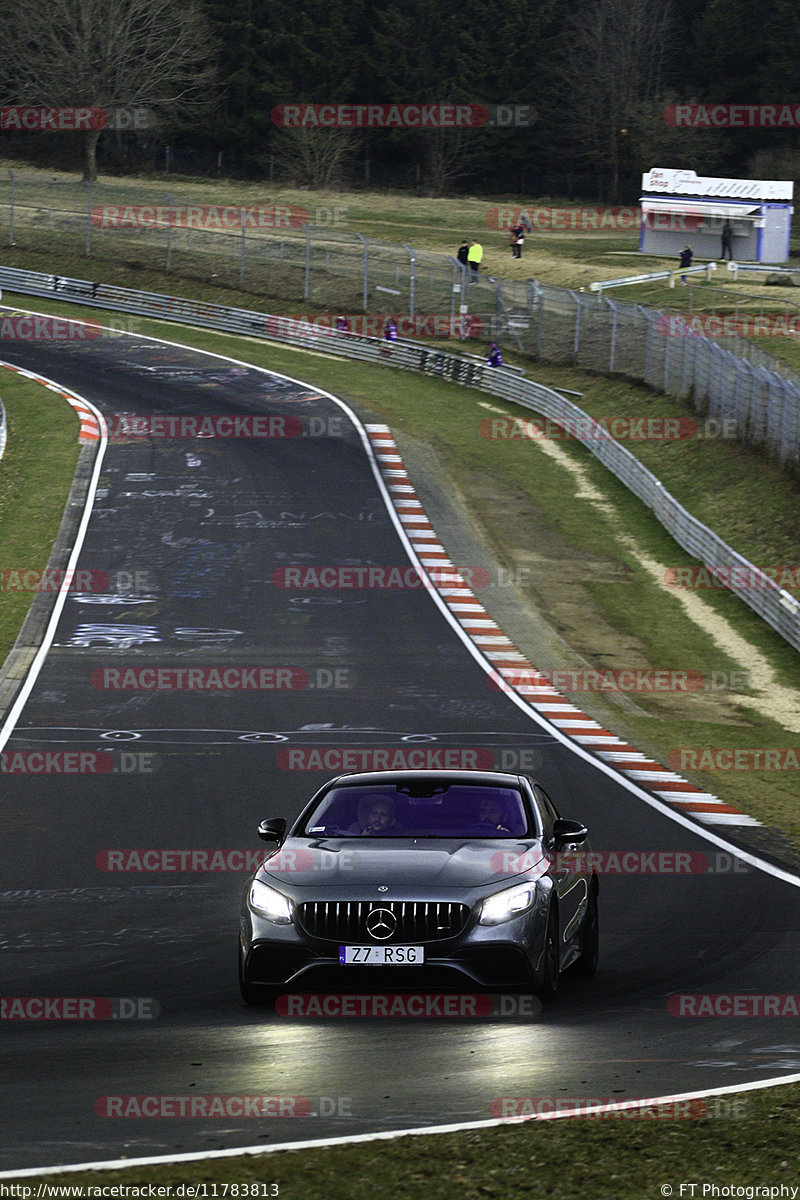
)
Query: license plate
[{"x": 380, "y": 956}]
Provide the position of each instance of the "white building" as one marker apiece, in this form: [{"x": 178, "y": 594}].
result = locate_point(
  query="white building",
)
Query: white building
[{"x": 680, "y": 208}]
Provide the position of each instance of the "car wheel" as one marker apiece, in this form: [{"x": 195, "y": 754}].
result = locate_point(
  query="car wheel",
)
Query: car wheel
[
  {"x": 590, "y": 936},
  {"x": 551, "y": 967}
]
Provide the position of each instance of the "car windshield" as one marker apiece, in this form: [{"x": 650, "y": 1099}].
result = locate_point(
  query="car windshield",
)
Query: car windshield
[{"x": 446, "y": 811}]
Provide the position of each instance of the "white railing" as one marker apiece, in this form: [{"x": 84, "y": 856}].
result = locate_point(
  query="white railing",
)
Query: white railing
[{"x": 672, "y": 275}]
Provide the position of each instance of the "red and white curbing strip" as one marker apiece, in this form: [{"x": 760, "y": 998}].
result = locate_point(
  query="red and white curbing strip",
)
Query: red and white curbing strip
[
  {"x": 508, "y": 662},
  {"x": 89, "y": 424}
]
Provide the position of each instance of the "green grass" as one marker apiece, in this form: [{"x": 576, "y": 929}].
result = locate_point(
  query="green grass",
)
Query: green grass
[
  {"x": 742, "y": 1140},
  {"x": 36, "y": 472}
]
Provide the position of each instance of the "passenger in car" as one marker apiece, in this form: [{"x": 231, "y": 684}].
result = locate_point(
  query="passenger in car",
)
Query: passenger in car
[{"x": 493, "y": 814}]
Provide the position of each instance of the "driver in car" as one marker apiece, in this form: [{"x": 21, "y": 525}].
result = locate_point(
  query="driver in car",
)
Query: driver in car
[{"x": 380, "y": 818}]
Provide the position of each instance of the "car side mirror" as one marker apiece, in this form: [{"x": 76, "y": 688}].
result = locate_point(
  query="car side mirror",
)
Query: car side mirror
[
  {"x": 569, "y": 832},
  {"x": 272, "y": 830}
]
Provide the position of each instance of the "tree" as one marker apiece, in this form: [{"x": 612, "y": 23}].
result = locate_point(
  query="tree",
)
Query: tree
[
  {"x": 609, "y": 73},
  {"x": 109, "y": 54}
]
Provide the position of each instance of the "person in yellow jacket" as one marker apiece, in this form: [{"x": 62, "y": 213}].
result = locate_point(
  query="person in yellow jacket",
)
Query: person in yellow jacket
[{"x": 474, "y": 259}]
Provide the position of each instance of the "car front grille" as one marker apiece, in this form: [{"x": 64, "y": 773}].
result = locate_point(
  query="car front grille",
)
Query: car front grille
[{"x": 416, "y": 921}]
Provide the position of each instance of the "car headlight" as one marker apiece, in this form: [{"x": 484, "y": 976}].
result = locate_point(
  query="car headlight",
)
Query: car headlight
[
  {"x": 502, "y": 906},
  {"x": 270, "y": 904}
]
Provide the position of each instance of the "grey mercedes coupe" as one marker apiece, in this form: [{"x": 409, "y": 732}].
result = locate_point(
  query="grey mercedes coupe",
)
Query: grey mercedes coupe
[{"x": 420, "y": 880}]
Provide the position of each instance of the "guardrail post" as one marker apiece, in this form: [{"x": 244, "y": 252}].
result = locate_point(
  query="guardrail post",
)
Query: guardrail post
[{"x": 243, "y": 247}]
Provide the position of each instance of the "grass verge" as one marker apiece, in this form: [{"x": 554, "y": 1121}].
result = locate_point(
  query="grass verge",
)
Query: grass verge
[
  {"x": 744, "y": 1140},
  {"x": 36, "y": 473}
]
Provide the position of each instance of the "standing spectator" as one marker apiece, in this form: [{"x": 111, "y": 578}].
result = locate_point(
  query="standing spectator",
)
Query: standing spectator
[
  {"x": 463, "y": 252},
  {"x": 474, "y": 257},
  {"x": 685, "y": 261},
  {"x": 516, "y": 236},
  {"x": 727, "y": 239},
  {"x": 495, "y": 357},
  {"x": 390, "y": 330},
  {"x": 342, "y": 324}
]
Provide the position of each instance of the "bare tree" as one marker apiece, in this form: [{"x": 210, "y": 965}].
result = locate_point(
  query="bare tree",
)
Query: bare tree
[
  {"x": 317, "y": 157},
  {"x": 610, "y": 79},
  {"x": 109, "y": 54}
]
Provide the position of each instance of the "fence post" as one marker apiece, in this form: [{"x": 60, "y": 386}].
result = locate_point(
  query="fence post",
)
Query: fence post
[
  {"x": 576, "y": 341},
  {"x": 365, "y": 244},
  {"x": 12, "y": 193},
  {"x": 88, "y": 218},
  {"x": 243, "y": 253},
  {"x": 307, "y": 271},
  {"x": 169, "y": 233},
  {"x": 412, "y": 256}
]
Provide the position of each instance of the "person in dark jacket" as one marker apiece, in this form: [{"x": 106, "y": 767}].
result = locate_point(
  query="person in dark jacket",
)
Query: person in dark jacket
[
  {"x": 685, "y": 261},
  {"x": 463, "y": 251},
  {"x": 727, "y": 240},
  {"x": 495, "y": 357},
  {"x": 516, "y": 236}
]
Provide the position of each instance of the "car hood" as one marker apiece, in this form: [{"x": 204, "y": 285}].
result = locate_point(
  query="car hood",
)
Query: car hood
[{"x": 403, "y": 862}]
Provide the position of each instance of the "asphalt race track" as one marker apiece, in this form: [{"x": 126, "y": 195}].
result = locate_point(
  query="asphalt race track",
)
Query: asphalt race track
[{"x": 186, "y": 538}]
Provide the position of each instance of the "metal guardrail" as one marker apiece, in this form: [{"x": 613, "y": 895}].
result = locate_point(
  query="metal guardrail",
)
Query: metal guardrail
[
  {"x": 774, "y": 605},
  {"x": 761, "y": 268},
  {"x": 603, "y": 285}
]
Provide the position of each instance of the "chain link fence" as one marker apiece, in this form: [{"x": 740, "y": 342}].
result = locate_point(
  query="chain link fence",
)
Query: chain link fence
[{"x": 279, "y": 251}]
